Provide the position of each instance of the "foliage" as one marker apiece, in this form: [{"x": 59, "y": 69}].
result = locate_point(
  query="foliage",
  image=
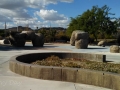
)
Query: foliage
[
  {"x": 2, "y": 33},
  {"x": 1, "y": 37},
  {"x": 49, "y": 35},
  {"x": 61, "y": 35},
  {"x": 52, "y": 35},
  {"x": 95, "y": 21},
  {"x": 44, "y": 33}
]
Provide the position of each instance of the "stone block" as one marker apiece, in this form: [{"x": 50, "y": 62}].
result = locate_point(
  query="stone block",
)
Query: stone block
[
  {"x": 28, "y": 70},
  {"x": 116, "y": 82},
  {"x": 36, "y": 71},
  {"x": 13, "y": 66},
  {"x": 69, "y": 74},
  {"x": 89, "y": 77},
  {"x": 107, "y": 80},
  {"x": 57, "y": 73},
  {"x": 21, "y": 68},
  {"x": 46, "y": 73}
]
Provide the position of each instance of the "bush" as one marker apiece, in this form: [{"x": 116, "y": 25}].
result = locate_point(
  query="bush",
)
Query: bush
[{"x": 1, "y": 37}]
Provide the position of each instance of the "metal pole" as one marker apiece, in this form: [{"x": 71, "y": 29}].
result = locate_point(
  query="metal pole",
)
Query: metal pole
[
  {"x": 17, "y": 27},
  {"x": 5, "y": 29}
]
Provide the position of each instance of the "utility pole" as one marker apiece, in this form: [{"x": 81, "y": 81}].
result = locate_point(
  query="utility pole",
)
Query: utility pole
[
  {"x": 37, "y": 30},
  {"x": 5, "y": 29},
  {"x": 17, "y": 26}
]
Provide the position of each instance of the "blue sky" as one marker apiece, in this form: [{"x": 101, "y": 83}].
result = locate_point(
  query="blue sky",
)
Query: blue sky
[
  {"x": 79, "y": 6},
  {"x": 43, "y": 13}
]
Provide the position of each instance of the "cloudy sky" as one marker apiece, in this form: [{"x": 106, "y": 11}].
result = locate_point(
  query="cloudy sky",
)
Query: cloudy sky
[{"x": 46, "y": 13}]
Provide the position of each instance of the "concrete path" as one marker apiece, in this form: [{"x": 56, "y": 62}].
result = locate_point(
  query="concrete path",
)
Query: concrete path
[{"x": 12, "y": 81}]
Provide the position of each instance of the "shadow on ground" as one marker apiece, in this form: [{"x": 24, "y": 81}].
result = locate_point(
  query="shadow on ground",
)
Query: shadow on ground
[
  {"x": 10, "y": 48},
  {"x": 97, "y": 48}
]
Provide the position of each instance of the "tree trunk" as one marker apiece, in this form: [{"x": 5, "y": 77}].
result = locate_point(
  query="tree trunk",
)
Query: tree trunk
[{"x": 95, "y": 37}]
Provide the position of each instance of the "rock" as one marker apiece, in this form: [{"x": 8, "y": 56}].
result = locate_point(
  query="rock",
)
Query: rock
[
  {"x": 81, "y": 35},
  {"x": 19, "y": 39},
  {"x": 6, "y": 41},
  {"x": 12, "y": 40},
  {"x": 81, "y": 44},
  {"x": 77, "y": 35},
  {"x": 72, "y": 42},
  {"x": 114, "y": 49},
  {"x": 102, "y": 43},
  {"x": 1, "y": 41},
  {"x": 30, "y": 35},
  {"x": 38, "y": 40}
]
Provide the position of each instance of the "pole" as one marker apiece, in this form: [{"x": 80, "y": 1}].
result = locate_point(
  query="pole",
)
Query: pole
[
  {"x": 5, "y": 29},
  {"x": 17, "y": 26}
]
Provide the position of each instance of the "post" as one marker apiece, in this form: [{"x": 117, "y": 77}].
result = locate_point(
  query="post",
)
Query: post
[{"x": 5, "y": 29}]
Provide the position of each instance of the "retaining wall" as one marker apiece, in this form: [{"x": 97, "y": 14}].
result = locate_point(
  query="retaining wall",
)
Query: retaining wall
[{"x": 77, "y": 75}]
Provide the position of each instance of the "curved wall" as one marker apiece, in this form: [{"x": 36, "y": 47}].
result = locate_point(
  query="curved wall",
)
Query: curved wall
[{"x": 19, "y": 64}]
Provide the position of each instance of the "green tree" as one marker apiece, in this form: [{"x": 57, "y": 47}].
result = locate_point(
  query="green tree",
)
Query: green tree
[
  {"x": 49, "y": 35},
  {"x": 52, "y": 34},
  {"x": 95, "y": 21}
]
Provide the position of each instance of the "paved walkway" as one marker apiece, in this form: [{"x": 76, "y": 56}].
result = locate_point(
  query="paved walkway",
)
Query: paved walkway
[{"x": 12, "y": 81}]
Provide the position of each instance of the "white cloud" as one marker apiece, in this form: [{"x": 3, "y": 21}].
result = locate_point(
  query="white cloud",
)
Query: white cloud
[
  {"x": 50, "y": 15},
  {"x": 14, "y": 13},
  {"x": 12, "y": 10},
  {"x": 13, "y": 4},
  {"x": 68, "y": 1},
  {"x": 61, "y": 23},
  {"x": 53, "y": 17}
]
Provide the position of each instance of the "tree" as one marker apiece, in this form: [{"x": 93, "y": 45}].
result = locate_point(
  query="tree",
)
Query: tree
[
  {"x": 49, "y": 35},
  {"x": 95, "y": 21},
  {"x": 52, "y": 34}
]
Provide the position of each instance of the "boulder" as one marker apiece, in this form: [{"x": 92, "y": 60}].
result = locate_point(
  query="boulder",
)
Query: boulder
[
  {"x": 6, "y": 41},
  {"x": 18, "y": 39},
  {"x": 81, "y": 35},
  {"x": 114, "y": 49},
  {"x": 38, "y": 40},
  {"x": 72, "y": 39},
  {"x": 1, "y": 41},
  {"x": 30, "y": 35},
  {"x": 102, "y": 43},
  {"x": 77, "y": 35},
  {"x": 81, "y": 44},
  {"x": 12, "y": 40},
  {"x": 79, "y": 39}
]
